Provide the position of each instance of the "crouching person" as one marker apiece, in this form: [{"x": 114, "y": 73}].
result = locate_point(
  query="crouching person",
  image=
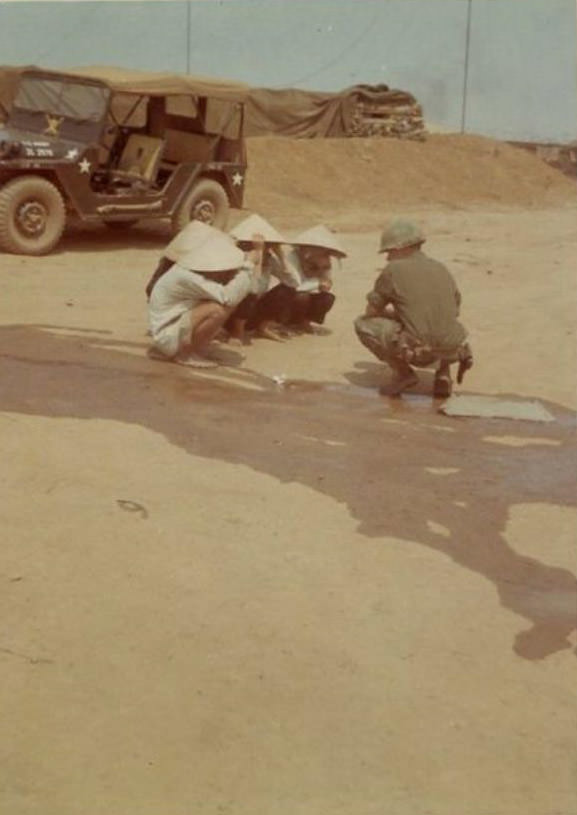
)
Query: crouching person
[
  {"x": 303, "y": 296},
  {"x": 190, "y": 302},
  {"x": 311, "y": 258},
  {"x": 261, "y": 311},
  {"x": 193, "y": 235},
  {"x": 411, "y": 315}
]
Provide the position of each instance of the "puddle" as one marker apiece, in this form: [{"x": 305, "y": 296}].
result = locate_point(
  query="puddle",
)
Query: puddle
[
  {"x": 552, "y": 603},
  {"x": 367, "y": 461},
  {"x": 520, "y": 441}
]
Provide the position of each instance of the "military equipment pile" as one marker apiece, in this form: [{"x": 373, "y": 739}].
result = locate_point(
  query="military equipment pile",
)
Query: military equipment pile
[{"x": 391, "y": 113}]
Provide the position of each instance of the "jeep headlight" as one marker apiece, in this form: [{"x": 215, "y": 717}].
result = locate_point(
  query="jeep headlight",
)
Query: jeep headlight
[{"x": 10, "y": 149}]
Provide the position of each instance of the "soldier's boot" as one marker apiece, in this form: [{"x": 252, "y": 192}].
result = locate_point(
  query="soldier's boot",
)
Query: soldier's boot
[
  {"x": 404, "y": 377},
  {"x": 443, "y": 384},
  {"x": 465, "y": 361}
]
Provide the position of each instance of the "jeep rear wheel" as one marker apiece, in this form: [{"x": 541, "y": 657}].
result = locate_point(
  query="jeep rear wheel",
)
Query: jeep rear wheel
[
  {"x": 207, "y": 202},
  {"x": 32, "y": 216}
]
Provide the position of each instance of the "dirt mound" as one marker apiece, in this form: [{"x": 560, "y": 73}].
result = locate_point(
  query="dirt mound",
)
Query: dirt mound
[{"x": 356, "y": 180}]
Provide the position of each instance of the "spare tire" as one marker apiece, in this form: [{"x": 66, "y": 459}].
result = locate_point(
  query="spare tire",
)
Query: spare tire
[
  {"x": 32, "y": 216},
  {"x": 207, "y": 202}
]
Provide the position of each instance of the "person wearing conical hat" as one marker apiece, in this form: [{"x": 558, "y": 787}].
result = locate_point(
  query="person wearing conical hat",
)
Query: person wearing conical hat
[
  {"x": 190, "y": 302},
  {"x": 308, "y": 297},
  {"x": 258, "y": 309},
  {"x": 193, "y": 234},
  {"x": 411, "y": 314}
]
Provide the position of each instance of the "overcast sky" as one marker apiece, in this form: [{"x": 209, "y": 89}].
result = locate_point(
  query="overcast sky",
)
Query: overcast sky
[{"x": 522, "y": 67}]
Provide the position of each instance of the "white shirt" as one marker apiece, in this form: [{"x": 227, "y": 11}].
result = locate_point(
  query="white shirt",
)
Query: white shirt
[
  {"x": 180, "y": 290},
  {"x": 273, "y": 267}
]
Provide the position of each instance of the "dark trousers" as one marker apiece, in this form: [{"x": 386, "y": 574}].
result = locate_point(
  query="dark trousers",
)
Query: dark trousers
[
  {"x": 311, "y": 307},
  {"x": 287, "y": 306},
  {"x": 244, "y": 311}
]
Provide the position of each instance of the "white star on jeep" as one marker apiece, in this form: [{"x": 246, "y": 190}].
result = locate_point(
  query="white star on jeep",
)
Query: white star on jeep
[
  {"x": 72, "y": 154},
  {"x": 84, "y": 166},
  {"x": 237, "y": 179}
]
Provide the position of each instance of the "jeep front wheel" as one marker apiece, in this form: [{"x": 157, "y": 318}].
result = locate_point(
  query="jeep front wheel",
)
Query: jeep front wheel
[
  {"x": 32, "y": 216},
  {"x": 207, "y": 202}
]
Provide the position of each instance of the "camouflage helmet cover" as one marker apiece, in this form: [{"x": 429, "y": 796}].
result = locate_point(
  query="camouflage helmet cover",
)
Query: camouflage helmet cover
[{"x": 400, "y": 233}]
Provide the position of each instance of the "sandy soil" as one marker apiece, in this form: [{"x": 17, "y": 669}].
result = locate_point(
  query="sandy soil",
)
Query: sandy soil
[
  {"x": 355, "y": 181},
  {"x": 222, "y": 596}
]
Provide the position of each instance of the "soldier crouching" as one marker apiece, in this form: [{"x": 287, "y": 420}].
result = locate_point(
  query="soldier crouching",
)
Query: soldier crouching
[{"x": 411, "y": 314}]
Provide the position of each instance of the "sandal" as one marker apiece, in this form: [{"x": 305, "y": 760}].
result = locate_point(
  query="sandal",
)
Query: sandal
[{"x": 195, "y": 361}]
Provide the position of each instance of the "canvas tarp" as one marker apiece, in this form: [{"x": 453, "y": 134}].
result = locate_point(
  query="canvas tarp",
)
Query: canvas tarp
[
  {"x": 311, "y": 114},
  {"x": 283, "y": 112},
  {"x": 9, "y": 78}
]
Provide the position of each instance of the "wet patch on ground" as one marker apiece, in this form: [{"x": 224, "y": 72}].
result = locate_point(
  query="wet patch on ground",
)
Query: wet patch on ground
[{"x": 402, "y": 469}]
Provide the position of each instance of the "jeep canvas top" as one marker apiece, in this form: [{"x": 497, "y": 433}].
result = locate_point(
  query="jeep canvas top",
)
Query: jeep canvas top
[{"x": 114, "y": 146}]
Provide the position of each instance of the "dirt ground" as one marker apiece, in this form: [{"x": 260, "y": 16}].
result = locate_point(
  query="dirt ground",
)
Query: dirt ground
[{"x": 225, "y": 596}]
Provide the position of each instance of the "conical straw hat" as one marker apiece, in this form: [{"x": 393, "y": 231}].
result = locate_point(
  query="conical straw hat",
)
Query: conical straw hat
[
  {"x": 194, "y": 234},
  {"x": 323, "y": 238},
  {"x": 216, "y": 253},
  {"x": 255, "y": 224}
]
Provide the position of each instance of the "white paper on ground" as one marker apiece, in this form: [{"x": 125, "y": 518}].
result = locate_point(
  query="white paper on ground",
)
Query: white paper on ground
[{"x": 491, "y": 407}]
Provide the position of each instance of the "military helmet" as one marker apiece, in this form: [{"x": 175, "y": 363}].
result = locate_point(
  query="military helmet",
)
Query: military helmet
[{"x": 400, "y": 233}]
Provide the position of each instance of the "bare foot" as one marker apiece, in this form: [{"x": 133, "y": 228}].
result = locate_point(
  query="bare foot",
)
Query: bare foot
[
  {"x": 221, "y": 355},
  {"x": 307, "y": 328},
  {"x": 152, "y": 353},
  {"x": 287, "y": 332},
  {"x": 269, "y": 334},
  {"x": 301, "y": 328},
  {"x": 237, "y": 342}
]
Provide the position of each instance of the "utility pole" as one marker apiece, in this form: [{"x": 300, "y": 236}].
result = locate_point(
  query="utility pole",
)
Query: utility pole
[
  {"x": 466, "y": 70},
  {"x": 188, "y": 17}
]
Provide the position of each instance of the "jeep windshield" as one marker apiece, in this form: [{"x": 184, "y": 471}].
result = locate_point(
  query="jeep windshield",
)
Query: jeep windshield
[{"x": 60, "y": 108}]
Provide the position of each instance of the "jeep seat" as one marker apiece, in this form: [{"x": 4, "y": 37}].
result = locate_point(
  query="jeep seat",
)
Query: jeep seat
[
  {"x": 184, "y": 147},
  {"x": 139, "y": 161}
]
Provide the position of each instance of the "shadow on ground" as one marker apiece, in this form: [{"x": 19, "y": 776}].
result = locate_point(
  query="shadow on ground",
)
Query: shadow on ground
[
  {"x": 374, "y": 374},
  {"x": 382, "y": 445},
  {"x": 96, "y": 238}
]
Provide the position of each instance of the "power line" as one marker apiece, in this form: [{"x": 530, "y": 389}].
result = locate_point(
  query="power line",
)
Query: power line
[
  {"x": 348, "y": 47},
  {"x": 188, "y": 20}
]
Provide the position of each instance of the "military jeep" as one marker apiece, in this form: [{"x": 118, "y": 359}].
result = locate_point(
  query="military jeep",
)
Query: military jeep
[{"x": 114, "y": 146}]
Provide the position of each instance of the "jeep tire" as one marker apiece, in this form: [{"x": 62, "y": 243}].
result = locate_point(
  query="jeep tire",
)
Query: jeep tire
[
  {"x": 32, "y": 216},
  {"x": 207, "y": 201}
]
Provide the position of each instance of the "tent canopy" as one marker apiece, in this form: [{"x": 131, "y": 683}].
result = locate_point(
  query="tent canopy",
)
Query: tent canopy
[{"x": 315, "y": 114}]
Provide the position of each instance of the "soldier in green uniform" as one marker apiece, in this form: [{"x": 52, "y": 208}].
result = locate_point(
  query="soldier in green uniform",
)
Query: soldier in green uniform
[{"x": 411, "y": 314}]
